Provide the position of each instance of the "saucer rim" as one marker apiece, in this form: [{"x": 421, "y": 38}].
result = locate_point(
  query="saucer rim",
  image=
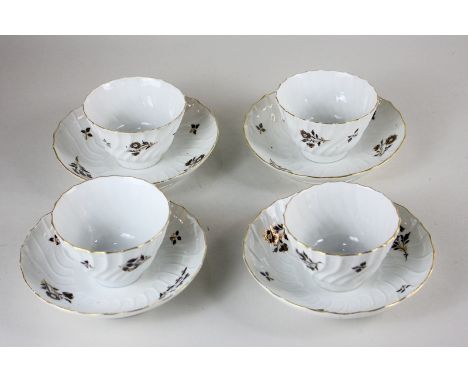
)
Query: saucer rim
[
  {"x": 332, "y": 313},
  {"x": 303, "y": 176},
  {"x": 161, "y": 182},
  {"x": 114, "y": 314}
]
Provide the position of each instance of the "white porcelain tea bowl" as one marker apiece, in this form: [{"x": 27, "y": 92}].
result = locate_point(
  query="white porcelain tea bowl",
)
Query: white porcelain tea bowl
[
  {"x": 113, "y": 226},
  {"x": 345, "y": 230},
  {"x": 326, "y": 112},
  {"x": 135, "y": 118},
  {"x": 286, "y": 274},
  {"x": 55, "y": 277},
  {"x": 78, "y": 148},
  {"x": 267, "y": 135}
]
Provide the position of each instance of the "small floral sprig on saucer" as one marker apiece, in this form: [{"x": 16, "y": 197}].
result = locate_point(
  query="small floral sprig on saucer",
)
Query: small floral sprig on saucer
[
  {"x": 260, "y": 128},
  {"x": 174, "y": 237},
  {"x": 54, "y": 293},
  {"x": 194, "y": 161},
  {"x": 381, "y": 148},
  {"x": 401, "y": 242},
  {"x": 179, "y": 281},
  {"x": 87, "y": 133},
  {"x": 353, "y": 135},
  {"x": 78, "y": 169},
  {"x": 276, "y": 236},
  {"x": 194, "y": 128}
]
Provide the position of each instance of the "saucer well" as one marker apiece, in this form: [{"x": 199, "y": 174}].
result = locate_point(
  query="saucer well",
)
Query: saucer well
[
  {"x": 404, "y": 271},
  {"x": 76, "y": 148},
  {"x": 61, "y": 281},
  {"x": 265, "y": 132}
]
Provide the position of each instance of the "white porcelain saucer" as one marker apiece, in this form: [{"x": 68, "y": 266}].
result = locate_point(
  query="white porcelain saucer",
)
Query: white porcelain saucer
[
  {"x": 63, "y": 282},
  {"x": 76, "y": 148},
  {"x": 404, "y": 271},
  {"x": 266, "y": 135}
]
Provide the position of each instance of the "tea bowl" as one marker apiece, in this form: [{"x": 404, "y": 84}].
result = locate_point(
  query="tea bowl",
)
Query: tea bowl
[
  {"x": 135, "y": 118},
  {"x": 326, "y": 112},
  {"x": 341, "y": 232},
  {"x": 113, "y": 226}
]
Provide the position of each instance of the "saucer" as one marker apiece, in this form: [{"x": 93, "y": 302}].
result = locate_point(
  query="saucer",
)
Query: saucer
[
  {"x": 266, "y": 135},
  {"x": 77, "y": 149},
  {"x": 404, "y": 271},
  {"x": 63, "y": 282}
]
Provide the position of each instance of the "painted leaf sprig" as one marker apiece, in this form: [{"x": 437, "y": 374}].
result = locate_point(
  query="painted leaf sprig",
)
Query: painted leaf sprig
[
  {"x": 382, "y": 147},
  {"x": 401, "y": 242},
  {"x": 79, "y": 169},
  {"x": 353, "y": 135},
  {"x": 179, "y": 281},
  {"x": 54, "y": 293},
  {"x": 267, "y": 276},
  {"x": 309, "y": 263}
]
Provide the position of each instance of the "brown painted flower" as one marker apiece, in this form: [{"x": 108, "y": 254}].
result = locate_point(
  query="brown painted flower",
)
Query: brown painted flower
[
  {"x": 135, "y": 145},
  {"x": 390, "y": 139}
]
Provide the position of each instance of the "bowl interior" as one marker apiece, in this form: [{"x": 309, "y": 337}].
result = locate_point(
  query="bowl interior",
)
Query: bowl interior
[
  {"x": 327, "y": 97},
  {"x": 134, "y": 104},
  {"x": 110, "y": 214},
  {"x": 341, "y": 218}
]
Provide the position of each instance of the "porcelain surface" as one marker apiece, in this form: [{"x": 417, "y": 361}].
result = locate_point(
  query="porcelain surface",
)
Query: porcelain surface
[
  {"x": 344, "y": 229},
  {"x": 405, "y": 269},
  {"x": 326, "y": 112},
  {"x": 114, "y": 225},
  {"x": 135, "y": 118},
  {"x": 267, "y": 135},
  {"x": 59, "y": 280},
  {"x": 80, "y": 150}
]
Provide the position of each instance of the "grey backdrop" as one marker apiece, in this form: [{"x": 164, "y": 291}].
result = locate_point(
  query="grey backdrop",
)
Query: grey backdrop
[{"x": 42, "y": 78}]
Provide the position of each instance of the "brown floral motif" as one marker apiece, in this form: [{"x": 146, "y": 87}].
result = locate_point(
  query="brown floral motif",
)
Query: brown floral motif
[
  {"x": 360, "y": 267},
  {"x": 87, "y": 133},
  {"x": 194, "y": 161},
  {"x": 312, "y": 265},
  {"x": 383, "y": 146},
  {"x": 267, "y": 276},
  {"x": 86, "y": 264},
  {"x": 108, "y": 144},
  {"x": 55, "y": 239},
  {"x": 353, "y": 135},
  {"x": 312, "y": 139},
  {"x": 278, "y": 167},
  {"x": 134, "y": 263},
  {"x": 179, "y": 281},
  {"x": 136, "y": 147},
  {"x": 78, "y": 169},
  {"x": 260, "y": 128},
  {"x": 174, "y": 237},
  {"x": 403, "y": 288},
  {"x": 55, "y": 294},
  {"x": 276, "y": 236},
  {"x": 401, "y": 242},
  {"x": 194, "y": 127}
]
